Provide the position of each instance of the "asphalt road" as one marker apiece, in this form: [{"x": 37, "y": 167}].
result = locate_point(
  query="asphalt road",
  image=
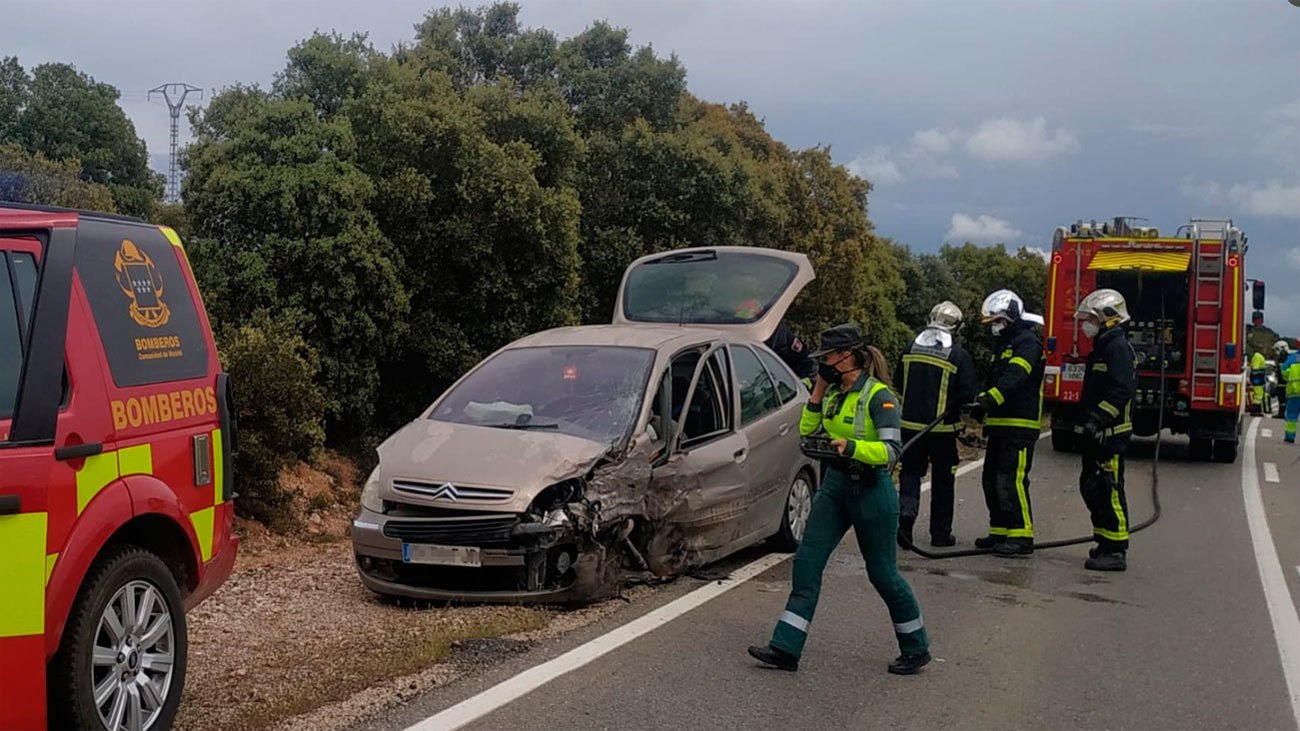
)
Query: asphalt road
[{"x": 1184, "y": 639}]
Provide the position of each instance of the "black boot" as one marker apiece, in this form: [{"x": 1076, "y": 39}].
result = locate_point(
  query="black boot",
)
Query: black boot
[
  {"x": 775, "y": 657},
  {"x": 1117, "y": 561},
  {"x": 1014, "y": 548},
  {"x": 989, "y": 541},
  {"x": 905, "y": 523},
  {"x": 1094, "y": 552},
  {"x": 909, "y": 664},
  {"x": 943, "y": 541}
]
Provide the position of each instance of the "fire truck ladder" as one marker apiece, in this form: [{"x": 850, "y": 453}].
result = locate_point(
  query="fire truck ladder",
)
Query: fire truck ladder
[{"x": 1207, "y": 293}]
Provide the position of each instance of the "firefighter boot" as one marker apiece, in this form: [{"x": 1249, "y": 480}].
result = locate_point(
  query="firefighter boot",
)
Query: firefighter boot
[
  {"x": 1014, "y": 548},
  {"x": 943, "y": 541},
  {"x": 989, "y": 541},
  {"x": 774, "y": 657},
  {"x": 909, "y": 664},
  {"x": 1108, "y": 561},
  {"x": 905, "y": 523}
]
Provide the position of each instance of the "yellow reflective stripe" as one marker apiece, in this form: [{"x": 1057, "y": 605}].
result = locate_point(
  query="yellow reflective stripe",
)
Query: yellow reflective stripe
[
  {"x": 997, "y": 531},
  {"x": 1118, "y": 429},
  {"x": 203, "y": 520},
  {"x": 172, "y": 236},
  {"x": 997, "y": 396},
  {"x": 1112, "y": 535},
  {"x": 930, "y": 360},
  {"x": 944, "y": 428},
  {"x": 943, "y": 395},
  {"x": 1109, "y": 409},
  {"x": 218, "y": 464},
  {"x": 1006, "y": 421},
  {"x": 918, "y": 426},
  {"x": 22, "y": 566},
  {"x": 94, "y": 475},
  {"x": 1102, "y": 367},
  {"x": 1114, "y": 501},
  {"x": 49, "y": 566},
  {"x": 136, "y": 460},
  {"x": 1023, "y": 364},
  {"x": 1028, "y": 531}
]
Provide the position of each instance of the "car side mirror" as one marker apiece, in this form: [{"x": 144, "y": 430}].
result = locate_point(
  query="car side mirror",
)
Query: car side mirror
[{"x": 1257, "y": 294}]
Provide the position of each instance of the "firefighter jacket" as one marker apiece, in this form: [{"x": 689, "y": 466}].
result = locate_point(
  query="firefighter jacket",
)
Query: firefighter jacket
[
  {"x": 934, "y": 379},
  {"x": 866, "y": 416},
  {"x": 1108, "y": 382},
  {"x": 1016, "y": 384}
]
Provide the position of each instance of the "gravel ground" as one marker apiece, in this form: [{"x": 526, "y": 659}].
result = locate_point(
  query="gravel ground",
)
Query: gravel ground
[{"x": 293, "y": 639}]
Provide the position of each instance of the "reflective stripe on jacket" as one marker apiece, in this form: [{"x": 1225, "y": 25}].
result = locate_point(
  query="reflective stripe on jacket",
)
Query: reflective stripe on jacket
[
  {"x": 874, "y": 434},
  {"x": 1017, "y": 382}
]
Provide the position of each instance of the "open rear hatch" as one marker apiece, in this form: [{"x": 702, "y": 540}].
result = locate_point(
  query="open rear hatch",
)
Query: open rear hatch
[{"x": 741, "y": 288}]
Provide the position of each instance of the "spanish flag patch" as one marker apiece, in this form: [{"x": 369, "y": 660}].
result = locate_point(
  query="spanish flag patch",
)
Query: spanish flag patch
[{"x": 887, "y": 405}]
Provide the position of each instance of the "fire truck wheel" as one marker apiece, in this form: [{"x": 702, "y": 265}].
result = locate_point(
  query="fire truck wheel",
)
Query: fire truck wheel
[
  {"x": 1199, "y": 447},
  {"x": 1063, "y": 440},
  {"x": 122, "y": 658},
  {"x": 1225, "y": 450}
]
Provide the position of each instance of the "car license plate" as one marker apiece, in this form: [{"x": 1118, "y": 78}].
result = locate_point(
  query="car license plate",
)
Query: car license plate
[
  {"x": 1073, "y": 371},
  {"x": 441, "y": 555}
]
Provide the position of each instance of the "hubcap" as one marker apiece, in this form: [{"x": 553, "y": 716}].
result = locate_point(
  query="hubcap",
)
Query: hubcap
[
  {"x": 134, "y": 654},
  {"x": 798, "y": 506}
]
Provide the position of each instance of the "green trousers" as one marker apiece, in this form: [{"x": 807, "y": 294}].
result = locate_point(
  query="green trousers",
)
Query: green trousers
[{"x": 870, "y": 506}]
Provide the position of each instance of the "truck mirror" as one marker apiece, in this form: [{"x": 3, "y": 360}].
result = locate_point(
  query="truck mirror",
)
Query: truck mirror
[{"x": 1257, "y": 292}]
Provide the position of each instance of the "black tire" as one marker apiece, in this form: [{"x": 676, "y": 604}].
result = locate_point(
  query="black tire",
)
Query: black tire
[
  {"x": 1063, "y": 440},
  {"x": 1200, "y": 448},
  {"x": 786, "y": 539},
  {"x": 72, "y": 672},
  {"x": 1225, "y": 450}
]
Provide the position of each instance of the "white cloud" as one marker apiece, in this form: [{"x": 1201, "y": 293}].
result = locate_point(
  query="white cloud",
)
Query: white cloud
[
  {"x": 984, "y": 229},
  {"x": 1041, "y": 252},
  {"x": 876, "y": 167},
  {"x": 1293, "y": 257},
  {"x": 935, "y": 140},
  {"x": 1273, "y": 199},
  {"x": 1011, "y": 140}
]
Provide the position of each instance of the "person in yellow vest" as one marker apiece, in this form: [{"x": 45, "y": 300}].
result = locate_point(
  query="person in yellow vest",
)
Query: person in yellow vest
[
  {"x": 852, "y": 404},
  {"x": 1290, "y": 368},
  {"x": 1258, "y": 381}
]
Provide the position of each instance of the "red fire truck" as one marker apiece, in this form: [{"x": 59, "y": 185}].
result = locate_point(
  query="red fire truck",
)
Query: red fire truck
[{"x": 1186, "y": 296}]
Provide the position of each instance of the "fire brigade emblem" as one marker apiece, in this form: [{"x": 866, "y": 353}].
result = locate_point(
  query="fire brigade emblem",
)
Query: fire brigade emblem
[{"x": 142, "y": 284}]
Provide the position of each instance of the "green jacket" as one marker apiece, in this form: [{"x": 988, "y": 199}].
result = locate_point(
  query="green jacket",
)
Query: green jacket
[{"x": 873, "y": 433}]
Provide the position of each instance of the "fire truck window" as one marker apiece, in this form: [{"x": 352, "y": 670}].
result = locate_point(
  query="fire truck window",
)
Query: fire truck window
[
  {"x": 141, "y": 303},
  {"x": 11, "y": 347},
  {"x": 24, "y": 267}
]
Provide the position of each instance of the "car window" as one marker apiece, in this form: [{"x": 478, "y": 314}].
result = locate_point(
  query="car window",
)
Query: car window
[
  {"x": 141, "y": 302},
  {"x": 715, "y": 287},
  {"x": 786, "y": 385},
  {"x": 708, "y": 414},
  {"x": 757, "y": 394},
  {"x": 591, "y": 392},
  {"x": 11, "y": 347}
]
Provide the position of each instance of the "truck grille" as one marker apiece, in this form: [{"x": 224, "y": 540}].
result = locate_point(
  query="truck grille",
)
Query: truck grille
[
  {"x": 474, "y": 532},
  {"x": 450, "y": 492}
]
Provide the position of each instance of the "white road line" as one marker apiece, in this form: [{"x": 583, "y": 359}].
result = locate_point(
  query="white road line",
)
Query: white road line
[
  {"x": 476, "y": 707},
  {"x": 1266, "y": 433},
  {"x": 1281, "y": 608},
  {"x": 1270, "y": 472}
]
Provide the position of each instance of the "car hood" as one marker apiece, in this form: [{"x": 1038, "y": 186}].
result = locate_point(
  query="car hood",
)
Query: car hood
[{"x": 513, "y": 466}]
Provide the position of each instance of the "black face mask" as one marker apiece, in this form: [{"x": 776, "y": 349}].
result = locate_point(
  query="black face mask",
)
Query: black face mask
[{"x": 829, "y": 372}]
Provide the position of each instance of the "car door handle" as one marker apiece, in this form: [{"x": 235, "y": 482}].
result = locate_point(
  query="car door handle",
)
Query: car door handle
[
  {"x": 739, "y": 456},
  {"x": 78, "y": 451},
  {"x": 10, "y": 504},
  {"x": 784, "y": 429}
]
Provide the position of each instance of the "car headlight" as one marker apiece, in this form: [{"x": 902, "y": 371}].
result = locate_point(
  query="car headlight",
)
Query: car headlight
[{"x": 370, "y": 499}]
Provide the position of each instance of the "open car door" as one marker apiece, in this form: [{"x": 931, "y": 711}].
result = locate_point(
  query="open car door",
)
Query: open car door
[{"x": 741, "y": 288}]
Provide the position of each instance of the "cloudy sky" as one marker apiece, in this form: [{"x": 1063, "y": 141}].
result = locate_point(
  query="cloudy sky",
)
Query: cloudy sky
[{"x": 976, "y": 120}]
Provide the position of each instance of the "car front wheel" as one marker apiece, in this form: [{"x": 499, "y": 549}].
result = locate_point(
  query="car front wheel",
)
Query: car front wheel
[
  {"x": 798, "y": 504},
  {"x": 121, "y": 664}
]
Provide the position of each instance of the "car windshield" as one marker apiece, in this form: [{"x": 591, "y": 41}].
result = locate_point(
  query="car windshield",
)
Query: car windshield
[
  {"x": 592, "y": 392},
  {"x": 706, "y": 287}
]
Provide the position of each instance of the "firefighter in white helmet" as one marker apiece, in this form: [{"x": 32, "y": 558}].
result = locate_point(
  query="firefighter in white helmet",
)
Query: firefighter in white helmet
[
  {"x": 935, "y": 377},
  {"x": 1012, "y": 410},
  {"x": 1105, "y": 407}
]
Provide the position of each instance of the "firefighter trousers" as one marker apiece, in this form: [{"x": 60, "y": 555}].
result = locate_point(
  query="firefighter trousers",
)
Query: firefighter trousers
[
  {"x": 939, "y": 451},
  {"x": 1292, "y": 413},
  {"x": 866, "y": 502},
  {"x": 1007, "y": 462},
  {"x": 1101, "y": 483}
]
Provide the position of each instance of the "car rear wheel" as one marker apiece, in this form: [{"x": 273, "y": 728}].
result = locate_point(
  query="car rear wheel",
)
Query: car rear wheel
[
  {"x": 122, "y": 660},
  {"x": 798, "y": 504}
]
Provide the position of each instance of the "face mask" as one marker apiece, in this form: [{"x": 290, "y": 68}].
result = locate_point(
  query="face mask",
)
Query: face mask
[
  {"x": 1090, "y": 328},
  {"x": 829, "y": 372},
  {"x": 998, "y": 327}
]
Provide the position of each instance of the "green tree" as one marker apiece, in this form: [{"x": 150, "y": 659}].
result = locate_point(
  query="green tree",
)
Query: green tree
[
  {"x": 32, "y": 178},
  {"x": 65, "y": 114}
]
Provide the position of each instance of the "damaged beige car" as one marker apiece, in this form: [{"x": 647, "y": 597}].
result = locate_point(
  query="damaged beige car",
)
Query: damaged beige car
[{"x": 659, "y": 443}]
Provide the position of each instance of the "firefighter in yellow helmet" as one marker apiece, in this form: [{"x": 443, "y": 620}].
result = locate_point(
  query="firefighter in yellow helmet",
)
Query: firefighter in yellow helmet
[{"x": 1106, "y": 412}]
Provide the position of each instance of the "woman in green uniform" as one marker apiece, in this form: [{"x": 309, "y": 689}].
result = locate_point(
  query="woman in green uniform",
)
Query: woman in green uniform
[{"x": 851, "y": 402}]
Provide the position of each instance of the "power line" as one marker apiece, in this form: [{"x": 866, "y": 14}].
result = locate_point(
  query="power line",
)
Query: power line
[{"x": 174, "y": 94}]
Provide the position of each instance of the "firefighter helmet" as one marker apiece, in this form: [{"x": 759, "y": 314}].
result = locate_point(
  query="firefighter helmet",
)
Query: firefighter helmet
[
  {"x": 945, "y": 316},
  {"x": 1282, "y": 346},
  {"x": 1007, "y": 306},
  {"x": 1106, "y": 305}
]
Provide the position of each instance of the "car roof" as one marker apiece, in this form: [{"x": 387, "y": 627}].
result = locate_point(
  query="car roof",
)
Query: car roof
[
  {"x": 8, "y": 208},
  {"x": 668, "y": 337}
]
